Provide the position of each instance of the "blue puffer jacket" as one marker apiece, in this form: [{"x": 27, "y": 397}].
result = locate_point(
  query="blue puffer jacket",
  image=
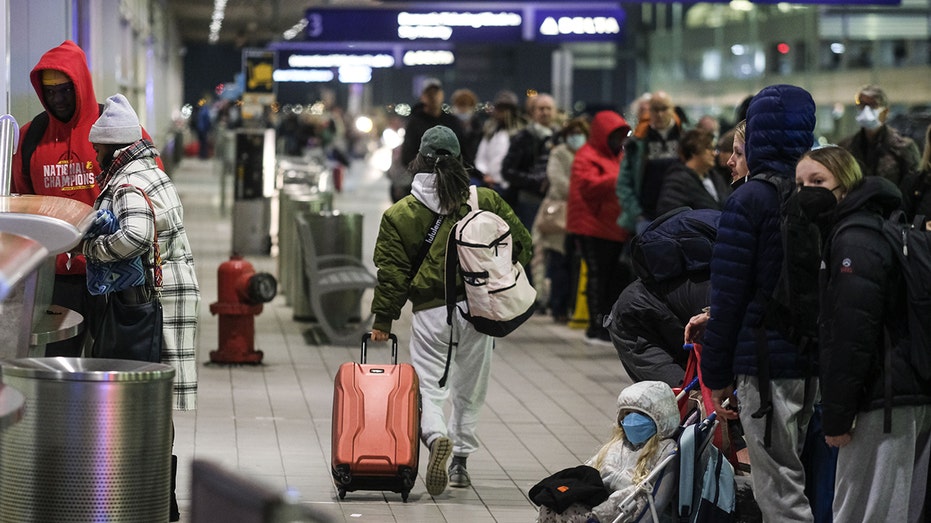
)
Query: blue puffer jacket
[{"x": 748, "y": 251}]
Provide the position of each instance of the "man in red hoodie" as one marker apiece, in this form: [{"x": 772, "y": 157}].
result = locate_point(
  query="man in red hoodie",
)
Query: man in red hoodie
[{"x": 61, "y": 162}]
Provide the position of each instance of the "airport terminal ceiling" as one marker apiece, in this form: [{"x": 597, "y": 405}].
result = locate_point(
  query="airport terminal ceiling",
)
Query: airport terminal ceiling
[{"x": 247, "y": 23}]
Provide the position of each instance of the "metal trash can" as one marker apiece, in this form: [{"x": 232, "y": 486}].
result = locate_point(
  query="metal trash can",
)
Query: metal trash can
[
  {"x": 334, "y": 232},
  {"x": 94, "y": 445},
  {"x": 292, "y": 200},
  {"x": 299, "y": 170}
]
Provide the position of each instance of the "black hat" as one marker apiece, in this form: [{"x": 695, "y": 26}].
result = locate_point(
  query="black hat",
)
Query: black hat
[{"x": 581, "y": 484}]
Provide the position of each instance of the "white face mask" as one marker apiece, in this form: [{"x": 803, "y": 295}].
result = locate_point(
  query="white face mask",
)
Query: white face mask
[{"x": 868, "y": 118}]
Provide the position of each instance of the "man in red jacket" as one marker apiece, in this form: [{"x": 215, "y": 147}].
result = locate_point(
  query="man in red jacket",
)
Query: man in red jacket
[{"x": 62, "y": 162}]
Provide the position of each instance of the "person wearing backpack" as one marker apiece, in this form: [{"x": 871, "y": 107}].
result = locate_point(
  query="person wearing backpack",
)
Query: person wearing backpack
[
  {"x": 62, "y": 82},
  {"x": 410, "y": 255},
  {"x": 775, "y": 382},
  {"x": 877, "y": 405}
]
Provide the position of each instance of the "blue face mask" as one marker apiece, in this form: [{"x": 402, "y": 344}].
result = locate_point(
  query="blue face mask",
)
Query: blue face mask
[
  {"x": 575, "y": 141},
  {"x": 638, "y": 428}
]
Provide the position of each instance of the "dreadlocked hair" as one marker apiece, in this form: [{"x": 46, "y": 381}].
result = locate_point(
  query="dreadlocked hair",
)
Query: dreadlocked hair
[
  {"x": 644, "y": 461},
  {"x": 452, "y": 181}
]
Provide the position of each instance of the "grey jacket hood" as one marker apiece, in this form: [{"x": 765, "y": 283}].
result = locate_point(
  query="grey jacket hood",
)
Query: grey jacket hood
[{"x": 654, "y": 399}]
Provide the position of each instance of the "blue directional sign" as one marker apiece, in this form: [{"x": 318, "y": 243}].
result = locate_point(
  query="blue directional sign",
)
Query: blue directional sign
[
  {"x": 414, "y": 25},
  {"x": 498, "y": 23}
]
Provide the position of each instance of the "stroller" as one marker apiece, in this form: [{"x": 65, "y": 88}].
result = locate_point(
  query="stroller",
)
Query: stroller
[{"x": 693, "y": 480}]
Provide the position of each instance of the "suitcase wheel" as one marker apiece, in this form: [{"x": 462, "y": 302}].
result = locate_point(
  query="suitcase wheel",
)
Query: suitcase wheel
[
  {"x": 342, "y": 493},
  {"x": 404, "y": 495},
  {"x": 342, "y": 475},
  {"x": 408, "y": 478}
]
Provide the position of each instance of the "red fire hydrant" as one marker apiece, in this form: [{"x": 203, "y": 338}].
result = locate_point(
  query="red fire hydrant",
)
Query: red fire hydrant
[{"x": 240, "y": 295}]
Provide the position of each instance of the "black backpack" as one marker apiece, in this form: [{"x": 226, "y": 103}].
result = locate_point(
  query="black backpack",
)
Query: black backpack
[
  {"x": 911, "y": 243},
  {"x": 678, "y": 242},
  {"x": 792, "y": 307}
]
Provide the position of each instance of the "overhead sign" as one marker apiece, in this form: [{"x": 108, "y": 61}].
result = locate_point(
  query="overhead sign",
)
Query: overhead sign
[
  {"x": 258, "y": 66},
  {"x": 499, "y": 23},
  {"x": 565, "y": 25},
  {"x": 387, "y": 25}
]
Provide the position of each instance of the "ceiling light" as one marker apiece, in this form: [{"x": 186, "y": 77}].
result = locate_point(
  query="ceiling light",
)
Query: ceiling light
[
  {"x": 295, "y": 30},
  {"x": 216, "y": 20}
]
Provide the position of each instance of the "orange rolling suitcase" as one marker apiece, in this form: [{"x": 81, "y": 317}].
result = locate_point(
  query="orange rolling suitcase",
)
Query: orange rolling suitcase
[{"x": 376, "y": 425}]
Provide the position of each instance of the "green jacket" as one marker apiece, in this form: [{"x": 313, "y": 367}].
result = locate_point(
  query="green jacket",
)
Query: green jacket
[{"x": 400, "y": 236}]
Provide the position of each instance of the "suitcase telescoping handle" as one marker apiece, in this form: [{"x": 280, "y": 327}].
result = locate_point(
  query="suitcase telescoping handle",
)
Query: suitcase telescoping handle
[{"x": 394, "y": 346}]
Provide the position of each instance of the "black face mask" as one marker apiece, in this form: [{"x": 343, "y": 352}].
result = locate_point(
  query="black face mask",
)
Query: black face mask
[{"x": 816, "y": 202}]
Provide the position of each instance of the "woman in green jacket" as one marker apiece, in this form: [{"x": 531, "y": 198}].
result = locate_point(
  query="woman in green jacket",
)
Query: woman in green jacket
[{"x": 438, "y": 200}]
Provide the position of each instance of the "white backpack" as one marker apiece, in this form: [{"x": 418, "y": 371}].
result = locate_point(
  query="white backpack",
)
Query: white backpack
[{"x": 498, "y": 294}]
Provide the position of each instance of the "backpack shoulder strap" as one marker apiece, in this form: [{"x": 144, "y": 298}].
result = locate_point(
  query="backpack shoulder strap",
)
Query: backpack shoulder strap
[
  {"x": 784, "y": 186},
  {"x": 688, "y": 462},
  {"x": 449, "y": 279},
  {"x": 868, "y": 221},
  {"x": 32, "y": 138},
  {"x": 30, "y": 141},
  {"x": 473, "y": 198}
]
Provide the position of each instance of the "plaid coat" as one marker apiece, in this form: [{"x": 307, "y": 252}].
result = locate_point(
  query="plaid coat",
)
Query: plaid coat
[{"x": 180, "y": 294}]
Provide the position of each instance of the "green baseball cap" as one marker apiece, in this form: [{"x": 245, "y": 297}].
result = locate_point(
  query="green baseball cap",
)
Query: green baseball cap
[{"x": 439, "y": 138}]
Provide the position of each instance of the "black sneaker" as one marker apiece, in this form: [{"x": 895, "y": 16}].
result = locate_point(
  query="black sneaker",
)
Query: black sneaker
[{"x": 458, "y": 475}]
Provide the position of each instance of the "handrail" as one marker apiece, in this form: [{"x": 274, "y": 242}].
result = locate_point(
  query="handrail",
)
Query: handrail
[{"x": 9, "y": 138}]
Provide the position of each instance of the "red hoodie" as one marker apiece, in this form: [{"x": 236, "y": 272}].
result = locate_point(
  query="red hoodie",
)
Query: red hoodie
[
  {"x": 593, "y": 207},
  {"x": 64, "y": 163}
]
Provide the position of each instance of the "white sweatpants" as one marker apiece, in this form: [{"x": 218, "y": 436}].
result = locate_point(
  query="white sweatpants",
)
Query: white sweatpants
[{"x": 467, "y": 382}]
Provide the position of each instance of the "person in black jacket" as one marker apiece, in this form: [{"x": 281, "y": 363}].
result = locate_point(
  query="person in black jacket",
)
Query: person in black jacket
[
  {"x": 916, "y": 187},
  {"x": 881, "y": 472},
  {"x": 524, "y": 166},
  {"x": 671, "y": 260},
  {"x": 692, "y": 181},
  {"x": 646, "y": 326},
  {"x": 427, "y": 113}
]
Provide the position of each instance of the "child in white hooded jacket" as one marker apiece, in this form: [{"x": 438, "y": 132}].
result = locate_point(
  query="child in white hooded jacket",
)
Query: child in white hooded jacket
[{"x": 647, "y": 419}]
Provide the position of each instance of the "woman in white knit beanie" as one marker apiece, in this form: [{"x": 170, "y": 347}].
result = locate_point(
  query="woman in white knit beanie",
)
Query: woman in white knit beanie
[{"x": 129, "y": 169}]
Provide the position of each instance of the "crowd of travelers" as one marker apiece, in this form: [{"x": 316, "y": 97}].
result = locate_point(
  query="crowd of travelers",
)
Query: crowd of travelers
[{"x": 586, "y": 188}]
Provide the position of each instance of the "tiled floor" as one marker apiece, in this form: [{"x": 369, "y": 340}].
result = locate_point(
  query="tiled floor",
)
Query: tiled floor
[{"x": 550, "y": 401}]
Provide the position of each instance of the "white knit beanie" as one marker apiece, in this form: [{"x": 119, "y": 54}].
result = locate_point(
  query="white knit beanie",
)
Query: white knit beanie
[{"x": 118, "y": 124}]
